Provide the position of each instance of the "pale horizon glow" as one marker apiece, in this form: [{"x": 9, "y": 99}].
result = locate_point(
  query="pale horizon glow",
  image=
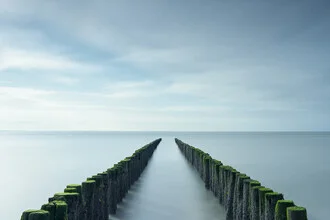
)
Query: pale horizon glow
[{"x": 164, "y": 65}]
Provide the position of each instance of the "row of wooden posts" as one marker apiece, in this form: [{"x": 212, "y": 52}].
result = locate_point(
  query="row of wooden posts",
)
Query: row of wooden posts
[
  {"x": 98, "y": 196},
  {"x": 242, "y": 197}
]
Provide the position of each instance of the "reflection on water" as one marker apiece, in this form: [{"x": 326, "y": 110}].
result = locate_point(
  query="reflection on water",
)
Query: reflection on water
[{"x": 34, "y": 166}]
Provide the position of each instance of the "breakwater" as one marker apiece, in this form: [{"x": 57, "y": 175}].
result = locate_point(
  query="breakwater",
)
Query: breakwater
[
  {"x": 98, "y": 196},
  {"x": 242, "y": 197}
]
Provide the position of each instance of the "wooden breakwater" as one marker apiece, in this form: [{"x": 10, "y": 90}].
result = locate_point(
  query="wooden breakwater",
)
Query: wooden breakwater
[
  {"x": 98, "y": 196},
  {"x": 242, "y": 197}
]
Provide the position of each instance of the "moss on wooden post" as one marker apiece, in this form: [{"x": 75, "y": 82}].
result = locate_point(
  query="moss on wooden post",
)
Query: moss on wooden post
[
  {"x": 104, "y": 191},
  {"x": 61, "y": 212},
  {"x": 270, "y": 204},
  {"x": 26, "y": 213},
  {"x": 112, "y": 190},
  {"x": 262, "y": 198},
  {"x": 230, "y": 193},
  {"x": 97, "y": 201},
  {"x": 206, "y": 171},
  {"x": 296, "y": 213},
  {"x": 70, "y": 190},
  {"x": 77, "y": 187},
  {"x": 217, "y": 178},
  {"x": 221, "y": 184},
  {"x": 72, "y": 200},
  {"x": 51, "y": 208},
  {"x": 238, "y": 196},
  {"x": 58, "y": 210},
  {"x": 119, "y": 182},
  {"x": 39, "y": 215},
  {"x": 280, "y": 209},
  {"x": 246, "y": 206},
  {"x": 255, "y": 202},
  {"x": 87, "y": 196}
]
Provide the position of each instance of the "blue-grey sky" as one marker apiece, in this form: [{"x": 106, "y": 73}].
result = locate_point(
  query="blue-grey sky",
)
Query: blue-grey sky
[{"x": 214, "y": 65}]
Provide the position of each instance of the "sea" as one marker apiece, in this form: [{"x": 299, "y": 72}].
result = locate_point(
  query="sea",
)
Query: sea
[{"x": 36, "y": 165}]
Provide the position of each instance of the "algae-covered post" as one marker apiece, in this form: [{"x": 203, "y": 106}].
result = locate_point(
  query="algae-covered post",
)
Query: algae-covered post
[
  {"x": 238, "y": 196},
  {"x": 242, "y": 197},
  {"x": 98, "y": 196},
  {"x": 296, "y": 213},
  {"x": 246, "y": 207},
  {"x": 87, "y": 195},
  {"x": 254, "y": 211},
  {"x": 206, "y": 170},
  {"x": 38, "y": 215},
  {"x": 262, "y": 194},
  {"x": 270, "y": 204},
  {"x": 281, "y": 207}
]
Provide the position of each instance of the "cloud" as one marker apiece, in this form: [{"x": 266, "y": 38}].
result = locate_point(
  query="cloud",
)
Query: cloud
[
  {"x": 29, "y": 48},
  {"x": 26, "y": 60},
  {"x": 41, "y": 109},
  {"x": 133, "y": 89},
  {"x": 121, "y": 85},
  {"x": 66, "y": 80},
  {"x": 213, "y": 66},
  {"x": 158, "y": 56},
  {"x": 5, "y": 82}
]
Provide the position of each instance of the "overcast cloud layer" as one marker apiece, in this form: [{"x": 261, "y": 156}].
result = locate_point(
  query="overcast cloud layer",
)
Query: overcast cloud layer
[{"x": 164, "y": 65}]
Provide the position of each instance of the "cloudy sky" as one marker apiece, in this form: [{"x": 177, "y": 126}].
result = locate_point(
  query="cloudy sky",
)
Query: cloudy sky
[{"x": 214, "y": 65}]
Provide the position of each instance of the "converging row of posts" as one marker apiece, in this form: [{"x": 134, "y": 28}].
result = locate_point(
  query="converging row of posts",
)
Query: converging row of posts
[
  {"x": 98, "y": 196},
  {"x": 242, "y": 197}
]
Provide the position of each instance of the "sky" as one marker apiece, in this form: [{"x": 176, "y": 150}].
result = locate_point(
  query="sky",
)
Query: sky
[{"x": 165, "y": 65}]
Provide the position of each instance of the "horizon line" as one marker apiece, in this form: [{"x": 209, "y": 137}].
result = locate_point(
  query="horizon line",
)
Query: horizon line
[{"x": 181, "y": 131}]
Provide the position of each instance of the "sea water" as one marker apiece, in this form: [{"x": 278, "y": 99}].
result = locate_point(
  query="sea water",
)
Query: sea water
[{"x": 35, "y": 165}]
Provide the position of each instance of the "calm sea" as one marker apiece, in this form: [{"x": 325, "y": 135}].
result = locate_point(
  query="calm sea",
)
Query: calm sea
[{"x": 35, "y": 165}]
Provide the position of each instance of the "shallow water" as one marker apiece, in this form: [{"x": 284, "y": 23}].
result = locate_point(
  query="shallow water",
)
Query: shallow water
[{"x": 35, "y": 165}]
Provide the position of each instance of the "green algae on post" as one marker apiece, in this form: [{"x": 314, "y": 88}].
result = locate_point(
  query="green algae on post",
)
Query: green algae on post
[
  {"x": 70, "y": 190},
  {"x": 254, "y": 183},
  {"x": 57, "y": 210},
  {"x": 51, "y": 208},
  {"x": 206, "y": 171},
  {"x": 39, "y": 215},
  {"x": 87, "y": 190},
  {"x": 72, "y": 200},
  {"x": 270, "y": 204},
  {"x": 75, "y": 186},
  {"x": 64, "y": 196},
  {"x": 97, "y": 180},
  {"x": 280, "y": 209},
  {"x": 296, "y": 213},
  {"x": 246, "y": 207},
  {"x": 238, "y": 195},
  {"x": 26, "y": 213},
  {"x": 255, "y": 203},
  {"x": 87, "y": 195},
  {"x": 262, "y": 198},
  {"x": 232, "y": 174},
  {"x": 61, "y": 210}
]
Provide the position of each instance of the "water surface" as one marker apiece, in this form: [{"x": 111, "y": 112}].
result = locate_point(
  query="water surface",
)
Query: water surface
[{"x": 35, "y": 165}]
